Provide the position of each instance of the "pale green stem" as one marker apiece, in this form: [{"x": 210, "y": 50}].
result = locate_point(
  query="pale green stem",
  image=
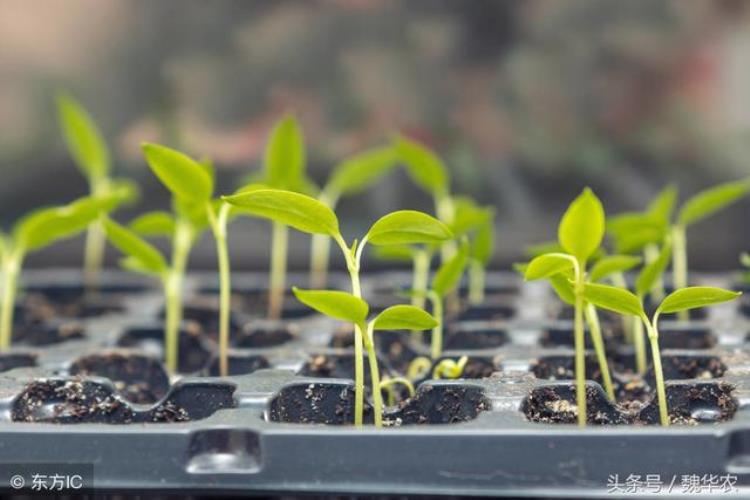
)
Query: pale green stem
[
  {"x": 173, "y": 282},
  {"x": 445, "y": 211},
  {"x": 650, "y": 254},
  {"x": 420, "y": 277},
  {"x": 476, "y": 282},
  {"x": 580, "y": 356},
  {"x": 640, "y": 347},
  {"x": 680, "y": 264},
  {"x": 11, "y": 270},
  {"x": 628, "y": 322},
  {"x": 219, "y": 226},
  {"x": 96, "y": 241},
  {"x": 388, "y": 383},
  {"x": 661, "y": 393},
  {"x": 279, "y": 249},
  {"x": 372, "y": 358},
  {"x": 320, "y": 248},
  {"x": 596, "y": 339},
  {"x": 436, "y": 341}
]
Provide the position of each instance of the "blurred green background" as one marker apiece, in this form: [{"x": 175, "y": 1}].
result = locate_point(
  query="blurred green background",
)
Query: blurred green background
[{"x": 526, "y": 101}]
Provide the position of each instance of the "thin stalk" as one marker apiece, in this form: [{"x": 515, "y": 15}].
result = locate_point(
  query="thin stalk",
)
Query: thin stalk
[
  {"x": 420, "y": 276},
  {"x": 679, "y": 264},
  {"x": 279, "y": 249},
  {"x": 320, "y": 249},
  {"x": 628, "y": 322},
  {"x": 445, "y": 211},
  {"x": 476, "y": 282},
  {"x": 661, "y": 393},
  {"x": 173, "y": 282},
  {"x": 219, "y": 226},
  {"x": 592, "y": 318},
  {"x": 640, "y": 347},
  {"x": 580, "y": 359},
  {"x": 387, "y": 385},
  {"x": 372, "y": 358},
  {"x": 11, "y": 270},
  {"x": 650, "y": 254},
  {"x": 436, "y": 341},
  {"x": 96, "y": 241}
]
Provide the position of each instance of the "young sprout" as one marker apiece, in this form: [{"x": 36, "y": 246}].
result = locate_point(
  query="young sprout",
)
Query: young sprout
[
  {"x": 580, "y": 234},
  {"x": 633, "y": 231},
  {"x": 191, "y": 184},
  {"x": 91, "y": 155},
  {"x": 37, "y": 230},
  {"x": 349, "y": 177},
  {"x": 347, "y": 307},
  {"x": 478, "y": 224},
  {"x": 625, "y": 302},
  {"x": 388, "y": 383},
  {"x": 306, "y": 214}
]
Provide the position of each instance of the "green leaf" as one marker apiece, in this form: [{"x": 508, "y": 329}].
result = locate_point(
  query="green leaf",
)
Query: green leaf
[
  {"x": 694, "y": 297},
  {"x": 299, "y": 211},
  {"x": 612, "y": 264},
  {"x": 622, "y": 225},
  {"x": 360, "y": 171},
  {"x": 711, "y": 201},
  {"x": 636, "y": 240},
  {"x": 83, "y": 138},
  {"x": 43, "y": 227},
  {"x": 662, "y": 207},
  {"x": 423, "y": 166},
  {"x": 483, "y": 246},
  {"x": 520, "y": 267},
  {"x": 745, "y": 259},
  {"x": 338, "y": 305},
  {"x": 563, "y": 288},
  {"x": 125, "y": 191},
  {"x": 548, "y": 265},
  {"x": 157, "y": 223},
  {"x": 468, "y": 216},
  {"x": 613, "y": 298},
  {"x": 284, "y": 160},
  {"x": 652, "y": 271},
  {"x": 141, "y": 254},
  {"x": 184, "y": 177},
  {"x": 582, "y": 226},
  {"x": 394, "y": 253},
  {"x": 538, "y": 249},
  {"x": 407, "y": 227},
  {"x": 404, "y": 317},
  {"x": 449, "y": 273}
]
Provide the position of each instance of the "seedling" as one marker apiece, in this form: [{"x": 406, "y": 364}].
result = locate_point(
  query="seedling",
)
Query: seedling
[
  {"x": 306, "y": 214},
  {"x": 650, "y": 226},
  {"x": 478, "y": 224},
  {"x": 37, "y": 230},
  {"x": 580, "y": 234},
  {"x": 91, "y": 155},
  {"x": 388, "y": 383},
  {"x": 349, "y": 177},
  {"x": 347, "y": 307},
  {"x": 625, "y": 302},
  {"x": 191, "y": 184}
]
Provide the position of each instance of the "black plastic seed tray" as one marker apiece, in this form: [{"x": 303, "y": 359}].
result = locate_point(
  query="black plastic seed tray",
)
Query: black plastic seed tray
[{"x": 84, "y": 384}]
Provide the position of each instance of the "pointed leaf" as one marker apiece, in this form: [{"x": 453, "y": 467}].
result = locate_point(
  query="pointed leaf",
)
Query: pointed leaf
[
  {"x": 423, "y": 166},
  {"x": 337, "y": 305},
  {"x": 612, "y": 264},
  {"x": 468, "y": 216},
  {"x": 483, "y": 246},
  {"x": 694, "y": 297},
  {"x": 449, "y": 273},
  {"x": 43, "y": 227},
  {"x": 157, "y": 223},
  {"x": 613, "y": 298},
  {"x": 407, "y": 227},
  {"x": 563, "y": 288},
  {"x": 712, "y": 200},
  {"x": 404, "y": 317},
  {"x": 83, "y": 138},
  {"x": 548, "y": 265},
  {"x": 394, "y": 253},
  {"x": 284, "y": 160},
  {"x": 538, "y": 249},
  {"x": 652, "y": 271},
  {"x": 662, "y": 207},
  {"x": 360, "y": 171},
  {"x": 148, "y": 258},
  {"x": 184, "y": 177},
  {"x": 299, "y": 211},
  {"x": 582, "y": 226}
]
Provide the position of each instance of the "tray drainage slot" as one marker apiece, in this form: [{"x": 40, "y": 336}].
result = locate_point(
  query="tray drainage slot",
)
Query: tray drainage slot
[{"x": 223, "y": 451}]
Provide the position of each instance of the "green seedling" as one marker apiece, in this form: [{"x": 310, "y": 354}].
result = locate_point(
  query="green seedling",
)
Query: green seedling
[
  {"x": 420, "y": 257},
  {"x": 35, "y": 231},
  {"x": 347, "y": 307},
  {"x": 91, "y": 155},
  {"x": 745, "y": 262},
  {"x": 350, "y": 177},
  {"x": 654, "y": 225},
  {"x": 478, "y": 224},
  {"x": 191, "y": 184},
  {"x": 580, "y": 234},
  {"x": 388, "y": 385},
  {"x": 625, "y": 302},
  {"x": 306, "y": 214}
]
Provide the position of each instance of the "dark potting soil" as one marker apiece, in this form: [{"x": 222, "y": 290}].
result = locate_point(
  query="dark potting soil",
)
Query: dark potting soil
[
  {"x": 484, "y": 338},
  {"x": 239, "y": 364},
  {"x": 396, "y": 347},
  {"x": 194, "y": 350},
  {"x": 337, "y": 366}
]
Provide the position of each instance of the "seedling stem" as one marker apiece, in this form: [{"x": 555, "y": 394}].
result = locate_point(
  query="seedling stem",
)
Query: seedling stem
[
  {"x": 679, "y": 263},
  {"x": 279, "y": 250},
  {"x": 436, "y": 342},
  {"x": 476, "y": 282},
  {"x": 173, "y": 281},
  {"x": 661, "y": 393},
  {"x": 578, "y": 339},
  {"x": 11, "y": 270},
  {"x": 592, "y": 318},
  {"x": 219, "y": 227}
]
